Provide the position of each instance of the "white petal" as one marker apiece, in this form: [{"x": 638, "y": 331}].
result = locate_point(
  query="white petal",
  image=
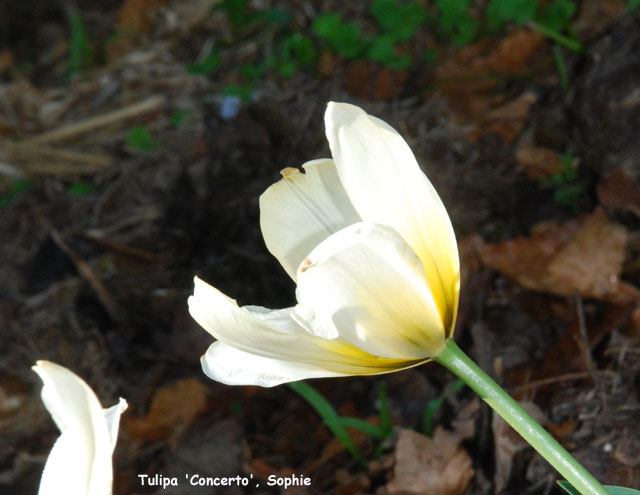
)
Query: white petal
[
  {"x": 366, "y": 285},
  {"x": 228, "y": 365},
  {"x": 301, "y": 210},
  {"x": 386, "y": 186},
  {"x": 273, "y": 336},
  {"x": 80, "y": 461}
]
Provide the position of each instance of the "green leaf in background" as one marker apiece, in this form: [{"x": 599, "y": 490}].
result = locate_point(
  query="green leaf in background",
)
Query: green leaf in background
[
  {"x": 237, "y": 12},
  {"x": 242, "y": 91},
  {"x": 178, "y": 116},
  {"x": 345, "y": 38},
  {"x": 207, "y": 65},
  {"x": 296, "y": 51},
  {"x": 80, "y": 53},
  {"x": 613, "y": 490},
  {"x": 500, "y": 12},
  {"x": 383, "y": 49},
  {"x": 632, "y": 5},
  {"x": 399, "y": 20},
  {"x": 140, "y": 140},
  {"x": 328, "y": 414},
  {"x": 273, "y": 16},
  {"x": 80, "y": 189},
  {"x": 435, "y": 404},
  {"x": 569, "y": 196},
  {"x": 455, "y": 20},
  {"x": 556, "y": 15},
  {"x": 14, "y": 190},
  {"x": 300, "y": 48}
]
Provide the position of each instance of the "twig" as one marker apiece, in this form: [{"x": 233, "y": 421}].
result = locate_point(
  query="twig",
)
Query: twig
[
  {"x": 578, "y": 375},
  {"x": 43, "y": 159},
  {"x": 584, "y": 338},
  {"x": 87, "y": 125},
  {"x": 118, "y": 247},
  {"x": 87, "y": 273}
]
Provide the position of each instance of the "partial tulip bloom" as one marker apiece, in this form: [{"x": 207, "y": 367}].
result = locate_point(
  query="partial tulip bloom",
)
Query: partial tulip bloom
[
  {"x": 80, "y": 462},
  {"x": 371, "y": 248}
]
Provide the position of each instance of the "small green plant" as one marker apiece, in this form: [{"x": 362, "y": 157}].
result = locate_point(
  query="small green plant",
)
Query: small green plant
[
  {"x": 342, "y": 37},
  {"x": 241, "y": 17},
  {"x": 338, "y": 424},
  {"x": 456, "y": 22},
  {"x": 178, "y": 116},
  {"x": 80, "y": 52},
  {"x": 295, "y": 51},
  {"x": 14, "y": 191},
  {"x": 80, "y": 189},
  {"x": 435, "y": 404},
  {"x": 140, "y": 140},
  {"x": 566, "y": 192},
  {"x": 397, "y": 23},
  {"x": 550, "y": 19},
  {"x": 208, "y": 64}
]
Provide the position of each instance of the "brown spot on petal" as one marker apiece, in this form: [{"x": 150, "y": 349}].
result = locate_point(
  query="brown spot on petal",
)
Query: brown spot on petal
[
  {"x": 288, "y": 172},
  {"x": 305, "y": 265}
]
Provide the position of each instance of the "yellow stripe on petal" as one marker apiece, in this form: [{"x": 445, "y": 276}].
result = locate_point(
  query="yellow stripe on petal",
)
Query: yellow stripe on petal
[
  {"x": 366, "y": 286},
  {"x": 386, "y": 186}
]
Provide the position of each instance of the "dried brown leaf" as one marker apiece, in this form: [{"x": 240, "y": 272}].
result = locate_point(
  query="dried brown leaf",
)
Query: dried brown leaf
[
  {"x": 538, "y": 162},
  {"x": 559, "y": 259},
  {"x": 620, "y": 191},
  {"x": 437, "y": 466},
  {"x": 506, "y": 120},
  {"x": 508, "y": 443},
  {"x": 467, "y": 77},
  {"x": 176, "y": 404}
]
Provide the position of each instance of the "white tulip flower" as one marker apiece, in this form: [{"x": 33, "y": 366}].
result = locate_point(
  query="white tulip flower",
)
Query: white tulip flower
[
  {"x": 80, "y": 461},
  {"x": 372, "y": 250}
]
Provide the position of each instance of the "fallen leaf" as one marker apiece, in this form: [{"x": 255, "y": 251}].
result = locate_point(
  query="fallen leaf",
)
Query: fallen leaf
[
  {"x": 6, "y": 59},
  {"x": 506, "y": 120},
  {"x": 468, "y": 76},
  {"x": 133, "y": 19},
  {"x": 368, "y": 80},
  {"x": 135, "y": 15},
  {"x": 537, "y": 161},
  {"x": 508, "y": 443},
  {"x": 437, "y": 466},
  {"x": 620, "y": 191},
  {"x": 176, "y": 404},
  {"x": 560, "y": 259}
]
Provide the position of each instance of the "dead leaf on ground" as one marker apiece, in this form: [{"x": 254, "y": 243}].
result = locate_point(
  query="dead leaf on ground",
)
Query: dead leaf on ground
[
  {"x": 6, "y": 59},
  {"x": 368, "y": 80},
  {"x": 506, "y": 120},
  {"x": 468, "y": 76},
  {"x": 538, "y": 161},
  {"x": 508, "y": 443},
  {"x": 620, "y": 191},
  {"x": 560, "y": 259},
  {"x": 133, "y": 19},
  {"x": 437, "y": 466},
  {"x": 176, "y": 404}
]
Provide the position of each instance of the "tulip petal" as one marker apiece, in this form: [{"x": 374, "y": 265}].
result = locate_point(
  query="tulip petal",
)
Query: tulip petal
[
  {"x": 80, "y": 461},
  {"x": 231, "y": 366},
  {"x": 367, "y": 286},
  {"x": 301, "y": 210},
  {"x": 254, "y": 340},
  {"x": 386, "y": 186}
]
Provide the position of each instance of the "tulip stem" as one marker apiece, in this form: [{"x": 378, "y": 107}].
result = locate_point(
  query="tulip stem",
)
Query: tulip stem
[{"x": 456, "y": 361}]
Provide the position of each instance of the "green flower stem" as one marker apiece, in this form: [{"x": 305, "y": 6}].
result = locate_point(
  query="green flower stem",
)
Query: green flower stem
[{"x": 456, "y": 361}]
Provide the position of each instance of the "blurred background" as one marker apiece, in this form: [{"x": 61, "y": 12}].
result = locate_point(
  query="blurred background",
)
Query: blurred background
[{"x": 136, "y": 137}]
